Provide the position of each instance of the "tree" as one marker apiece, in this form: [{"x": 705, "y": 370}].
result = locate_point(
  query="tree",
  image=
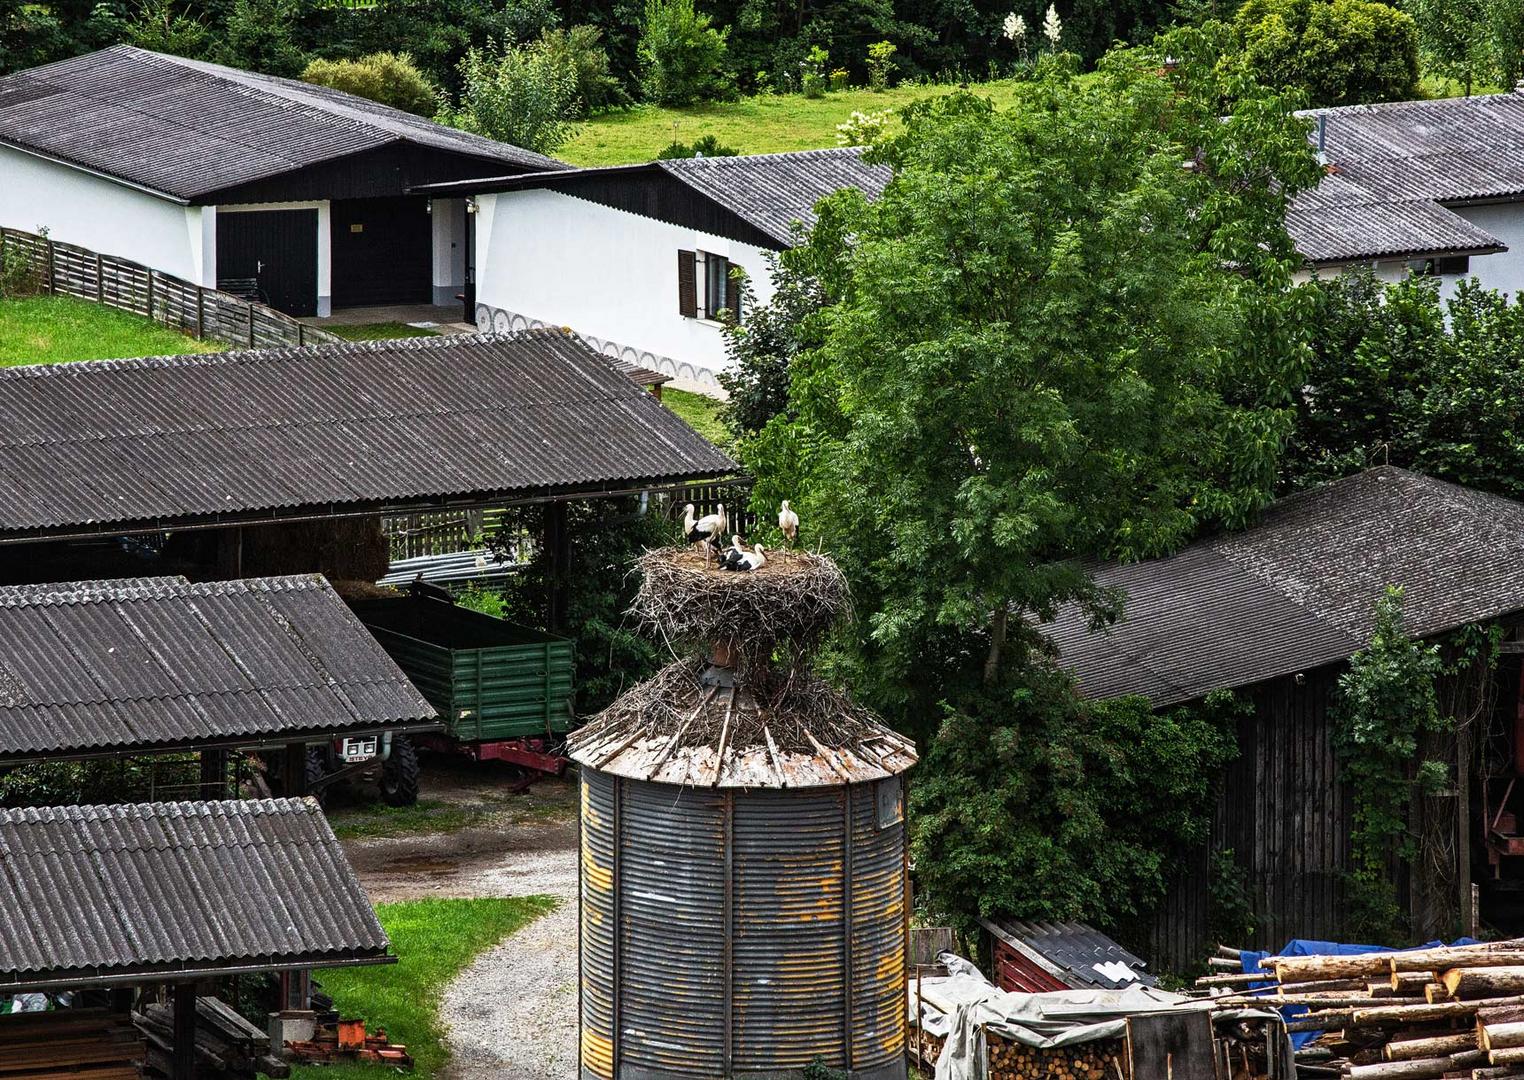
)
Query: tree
[
  {"x": 760, "y": 353},
  {"x": 1471, "y": 41},
  {"x": 1338, "y": 52},
  {"x": 260, "y": 36},
  {"x": 161, "y": 27},
  {"x": 581, "y": 50},
  {"x": 682, "y": 56},
  {"x": 390, "y": 78},
  {"x": 524, "y": 94}
]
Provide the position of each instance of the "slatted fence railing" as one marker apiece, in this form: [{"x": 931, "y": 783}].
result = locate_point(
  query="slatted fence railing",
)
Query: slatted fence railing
[{"x": 71, "y": 270}]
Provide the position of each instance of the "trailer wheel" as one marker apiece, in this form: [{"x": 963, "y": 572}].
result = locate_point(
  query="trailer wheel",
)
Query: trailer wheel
[
  {"x": 399, "y": 775},
  {"x": 317, "y": 768}
]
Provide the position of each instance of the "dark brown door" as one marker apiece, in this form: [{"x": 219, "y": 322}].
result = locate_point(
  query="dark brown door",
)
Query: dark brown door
[
  {"x": 270, "y": 255},
  {"x": 382, "y": 252}
]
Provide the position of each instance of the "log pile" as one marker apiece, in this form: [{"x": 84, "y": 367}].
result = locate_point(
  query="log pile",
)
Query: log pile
[
  {"x": 70, "y": 1044},
  {"x": 347, "y": 1040},
  {"x": 1105, "y": 1059},
  {"x": 228, "y": 1047},
  {"x": 1454, "y": 1013}
]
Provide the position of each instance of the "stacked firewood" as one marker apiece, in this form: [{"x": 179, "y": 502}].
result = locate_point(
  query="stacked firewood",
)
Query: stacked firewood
[
  {"x": 1102, "y": 1060},
  {"x": 227, "y": 1045},
  {"x": 1425, "y": 1014}
]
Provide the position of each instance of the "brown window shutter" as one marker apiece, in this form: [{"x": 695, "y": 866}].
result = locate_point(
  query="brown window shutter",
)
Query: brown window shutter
[
  {"x": 733, "y": 292},
  {"x": 687, "y": 285}
]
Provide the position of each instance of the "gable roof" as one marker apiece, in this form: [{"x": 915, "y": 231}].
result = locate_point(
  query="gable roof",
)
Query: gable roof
[
  {"x": 186, "y": 128},
  {"x": 113, "y": 446},
  {"x": 1398, "y": 166},
  {"x": 176, "y": 891},
  {"x": 765, "y": 194},
  {"x": 162, "y": 664},
  {"x": 1298, "y": 589}
]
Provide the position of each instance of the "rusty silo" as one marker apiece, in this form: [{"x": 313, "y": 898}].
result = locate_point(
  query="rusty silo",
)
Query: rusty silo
[{"x": 744, "y": 900}]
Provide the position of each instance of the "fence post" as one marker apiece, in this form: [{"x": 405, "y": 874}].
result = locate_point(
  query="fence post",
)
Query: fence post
[
  {"x": 52, "y": 289},
  {"x": 100, "y": 279},
  {"x": 251, "y": 324},
  {"x": 148, "y": 296},
  {"x": 200, "y": 312}
]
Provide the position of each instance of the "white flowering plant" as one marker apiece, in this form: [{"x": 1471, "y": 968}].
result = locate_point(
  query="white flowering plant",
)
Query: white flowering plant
[
  {"x": 1052, "y": 27},
  {"x": 864, "y": 129}
]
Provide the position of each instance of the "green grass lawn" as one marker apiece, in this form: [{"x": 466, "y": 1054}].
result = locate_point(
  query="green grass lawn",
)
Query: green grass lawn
[
  {"x": 378, "y": 331},
  {"x": 701, "y": 413},
  {"x": 754, "y": 125},
  {"x": 53, "y": 329},
  {"x": 434, "y": 940}
]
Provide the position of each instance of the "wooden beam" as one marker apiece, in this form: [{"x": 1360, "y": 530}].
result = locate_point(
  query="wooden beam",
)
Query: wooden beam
[{"x": 183, "y": 1064}]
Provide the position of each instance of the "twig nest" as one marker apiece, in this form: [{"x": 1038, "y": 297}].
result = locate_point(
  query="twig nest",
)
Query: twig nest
[
  {"x": 795, "y": 597},
  {"x": 694, "y": 724}
]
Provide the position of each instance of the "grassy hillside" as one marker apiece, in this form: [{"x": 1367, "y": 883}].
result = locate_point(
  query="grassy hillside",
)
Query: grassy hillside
[
  {"x": 52, "y": 329},
  {"x": 755, "y": 125}
]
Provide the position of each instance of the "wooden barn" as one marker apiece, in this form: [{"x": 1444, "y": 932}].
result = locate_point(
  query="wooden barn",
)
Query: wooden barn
[
  {"x": 293, "y": 194},
  {"x": 1273, "y": 612}
]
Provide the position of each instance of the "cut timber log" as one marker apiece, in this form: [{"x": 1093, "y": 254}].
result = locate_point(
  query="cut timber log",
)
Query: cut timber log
[
  {"x": 1422, "y": 1069},
  {"x": 1368, "y": 965},
  {"x": 1484, "y": 982},
  {"x": 1434, "y": 1046},
  {"x": 1411, "y": 982},
  {"x": 1500, "y": 1036},
  {"x": 1415, "y": 1014},
  {"x": 1513, "y": 1055}
]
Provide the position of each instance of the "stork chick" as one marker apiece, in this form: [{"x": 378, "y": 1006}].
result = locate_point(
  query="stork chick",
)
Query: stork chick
[
  {"x": 751, "y": 560},
  {"x": 734, "y": 553}
]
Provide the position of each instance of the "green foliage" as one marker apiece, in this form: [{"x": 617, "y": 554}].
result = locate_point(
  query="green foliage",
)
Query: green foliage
[
  {"x": 682, "y": 56},
  {"x": 521, "y": 94},
  {"x": 703, "y": 146},
  {"x": 812, "y": 72},
  {"x": 760, "y": 352},
  {"x": 486, "y": 601},
  {"x": 1385, "y": 702},
  {"x": 165, "y": 27},
  {"x": 20, "y": 273},
  {"x": 1035, "y": 803},
  {"x": 880, "y": 65},
  {"x": 1401, "y": 375},
  {"x": 68, "y": 783},
  {"x": 390, "y": 78},
  {"x": 1471, "y": 41},
  {"x": 1230, "y": 909},
  {"x": 1337, "y": 52},
  {"x": 819, "y": 1070},
  {"x": 581, "y": 49},
  {"x": 260, "y": 35}
]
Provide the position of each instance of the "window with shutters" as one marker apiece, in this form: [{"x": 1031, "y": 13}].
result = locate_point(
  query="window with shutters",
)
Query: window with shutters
[{"x": 706, "y": 289}]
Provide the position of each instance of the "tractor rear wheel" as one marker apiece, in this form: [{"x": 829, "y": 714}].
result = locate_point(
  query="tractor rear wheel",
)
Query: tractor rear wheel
[
  {"x": 399, "y": 775},
  {"x": 317, "y": 768}
]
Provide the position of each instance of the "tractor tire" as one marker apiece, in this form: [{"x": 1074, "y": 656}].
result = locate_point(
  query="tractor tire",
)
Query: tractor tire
[
  {"x": 399, "y": 773},
  {"x": 317, "y": 768}
]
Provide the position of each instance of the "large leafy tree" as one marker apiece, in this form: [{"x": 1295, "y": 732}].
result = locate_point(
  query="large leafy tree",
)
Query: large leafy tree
[
  {"x": 1471, "y": 41},
  {"x": 1338, "y": 52}
]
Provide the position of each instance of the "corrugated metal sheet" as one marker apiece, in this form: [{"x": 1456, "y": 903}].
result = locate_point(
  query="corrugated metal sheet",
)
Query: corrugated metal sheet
[
  {"x": 1075, "y": 956},
  {"x": 115, "y": 891},
  {"x": 156, "y": 663},
  {"x": 1298, "y": 590},
  {"x": 246, "y": 436},
  {"x": 759, "y": 930},
  {"x": 187, "y": 128}
]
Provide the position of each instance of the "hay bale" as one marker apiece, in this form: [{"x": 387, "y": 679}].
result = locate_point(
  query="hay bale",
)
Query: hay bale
[{"x": 796, "y": 597}]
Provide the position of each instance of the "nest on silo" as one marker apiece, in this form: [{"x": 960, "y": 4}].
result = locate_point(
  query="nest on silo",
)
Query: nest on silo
[
  {"x": 695, "y": 724},
  {"x": 795, "y": 597}
]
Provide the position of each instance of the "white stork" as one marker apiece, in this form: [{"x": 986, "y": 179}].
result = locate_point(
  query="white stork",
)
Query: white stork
[
  {"x": 707, "y": 530},
  {"x": 734, "y": 553},
  {"x": 750, "y": 560},
  {"x": 788, "y": 523}
]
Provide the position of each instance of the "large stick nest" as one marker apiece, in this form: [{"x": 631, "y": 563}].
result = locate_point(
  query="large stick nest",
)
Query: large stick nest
[{"x": 796, "y": 597}]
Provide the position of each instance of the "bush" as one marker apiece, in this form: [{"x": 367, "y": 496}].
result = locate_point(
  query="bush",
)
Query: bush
[
  {"x": 259, "y": 36},
  {"x": 581, "y": 50},
  {"x": 1337, "y": 52},
  {"x": 390, "y": 78},
  {"x": 812, "y": 72},
  {"x": 525, "y": 95},
  {"x": 20, "y": 273},
  {"x": 161, "y": 28},
  {"x": 880, "y": 64},
  {"x": 682, "y": 57},
  {"x": 703, "y": 146}
]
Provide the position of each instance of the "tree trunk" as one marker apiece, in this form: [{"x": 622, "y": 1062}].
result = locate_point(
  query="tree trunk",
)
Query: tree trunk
[
  {"x": 1502, "y": 1036},
  {"x": 998, "y": 623},
  {"x": 1433, "y": 1046},
  {"x": 1484, "y": 982}
]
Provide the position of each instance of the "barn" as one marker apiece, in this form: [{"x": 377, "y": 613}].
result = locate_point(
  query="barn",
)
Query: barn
[
  {"x": 290, "y": 193},
  {"x": 1273, "y": 612}
]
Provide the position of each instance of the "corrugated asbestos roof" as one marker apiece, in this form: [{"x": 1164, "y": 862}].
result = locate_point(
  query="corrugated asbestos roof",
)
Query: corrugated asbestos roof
[
  {"x": 1298, "y": 590},
  {"x": 112, "y": 892},
  {"x": 243, "y": 436},
  {"x": 155, "y": 663},
  {"x": 186, "y": 128},
  {"x": 1397, "y": 166},
  {"x": 1075, "y": 954}
]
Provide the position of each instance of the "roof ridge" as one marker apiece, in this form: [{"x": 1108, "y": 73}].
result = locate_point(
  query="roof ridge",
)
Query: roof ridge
[
  {"x": 88, "y": 592},
  {"x": 165, "y": 808}
]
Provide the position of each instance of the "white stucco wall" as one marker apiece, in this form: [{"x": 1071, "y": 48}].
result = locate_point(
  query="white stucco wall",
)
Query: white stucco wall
[
  {"x": 607, "y": 274},
  {"x": 105, "y": 216}
]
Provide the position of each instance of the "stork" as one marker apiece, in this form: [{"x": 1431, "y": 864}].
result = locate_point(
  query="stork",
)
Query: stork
[
  {"x": 750, "y": 560},
  {"x": 734, "y": 553},
  {"x": 788, "y": 523},
  {"x": 707, "y": 530}
]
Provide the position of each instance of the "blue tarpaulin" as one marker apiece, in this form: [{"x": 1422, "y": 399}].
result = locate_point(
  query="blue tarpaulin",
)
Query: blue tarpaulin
[{"x": 1308, "y": 947}]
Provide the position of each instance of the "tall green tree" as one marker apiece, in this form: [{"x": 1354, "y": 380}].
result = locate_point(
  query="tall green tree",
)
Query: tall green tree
[
  {"x": 1472, "y": 41},
  {"x": 1338, "y": 52}
]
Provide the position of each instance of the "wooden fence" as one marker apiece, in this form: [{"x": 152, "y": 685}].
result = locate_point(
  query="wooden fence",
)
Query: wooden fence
[{"x": 69, "y": 270}]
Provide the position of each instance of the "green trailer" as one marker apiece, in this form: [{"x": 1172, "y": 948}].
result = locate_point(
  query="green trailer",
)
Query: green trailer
[{"x": 504, "y": 691}]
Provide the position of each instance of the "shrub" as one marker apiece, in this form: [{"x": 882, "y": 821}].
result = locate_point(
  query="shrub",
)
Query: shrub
[
  {"x": 259, "y": 36},
  {"x": 390, "y": 78},
  {"x": 20, "y": 272},
  {"x": 682, "y": 57},
  {"x": 812, "y": 72},
  {"x": 525, "y": 95},
  {"x": 1338, "y": 52},
  {"x": 880, "y": 64},
  {"x": 703, "y": 146},
  {"x": 158, "y": 26},
  {"x": 839, "y": 79},
  {"x": 581, "y": 50}
]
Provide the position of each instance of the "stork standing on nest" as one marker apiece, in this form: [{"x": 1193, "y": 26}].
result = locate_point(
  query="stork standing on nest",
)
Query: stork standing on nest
[
  {"x": 788, "y": 524},
  {"x": 707, "y": 530}
]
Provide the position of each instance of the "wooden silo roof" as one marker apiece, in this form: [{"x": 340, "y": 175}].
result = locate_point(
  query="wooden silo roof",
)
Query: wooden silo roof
[{"x": 117, "y": 446}]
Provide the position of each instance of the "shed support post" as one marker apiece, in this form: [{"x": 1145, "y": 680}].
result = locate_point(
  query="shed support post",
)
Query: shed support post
[
  {"x": 183, "y": 1065},
  {"x": 200, "y": 312},
  {"x": 1463, "y": 827},
  {"x": 558, "y": 566},
  {"x": 294, "y": 773},
  {"x": 230, "y": 553},
  {"x": 214, "y": 772},
  {"x": 295, "y": 991}
]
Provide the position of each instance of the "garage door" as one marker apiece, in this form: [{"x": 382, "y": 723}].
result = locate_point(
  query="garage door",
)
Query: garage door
[
  {"x": 272, "y": 252},
  {"x": 382, "y": 252}
]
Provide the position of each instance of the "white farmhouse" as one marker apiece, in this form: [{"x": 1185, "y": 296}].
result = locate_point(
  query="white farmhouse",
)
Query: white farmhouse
[
  {"x": 639, "y": 259},
  {"x": 1432, "y": 187},
  {"x": 293, "y": 194}
]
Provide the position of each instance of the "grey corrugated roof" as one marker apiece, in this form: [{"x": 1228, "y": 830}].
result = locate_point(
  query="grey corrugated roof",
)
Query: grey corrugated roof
[
  {"x": 1087, "y": 957},
  {"x": 159, "y": 663},
  {"x": 245, "y": 436},
  {"x": 116, "y": 893},
  {"x": 1299, "y": 589},
  {"x": 1396, "y": 166},
  {"x": 186, "y": 128}
]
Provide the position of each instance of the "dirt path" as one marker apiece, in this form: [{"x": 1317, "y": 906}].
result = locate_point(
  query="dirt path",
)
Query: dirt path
[{"x": 514, "y": 1011}]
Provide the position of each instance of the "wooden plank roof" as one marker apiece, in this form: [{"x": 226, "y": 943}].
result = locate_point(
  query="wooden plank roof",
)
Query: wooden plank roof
[
  {"x": 185, "y": 128},
  {"x": 156, "y": 664},
  {"x": 117, "y": 446},
  {"x": 1298, "y": 589},
  {"x": 161, "y": 891}
]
